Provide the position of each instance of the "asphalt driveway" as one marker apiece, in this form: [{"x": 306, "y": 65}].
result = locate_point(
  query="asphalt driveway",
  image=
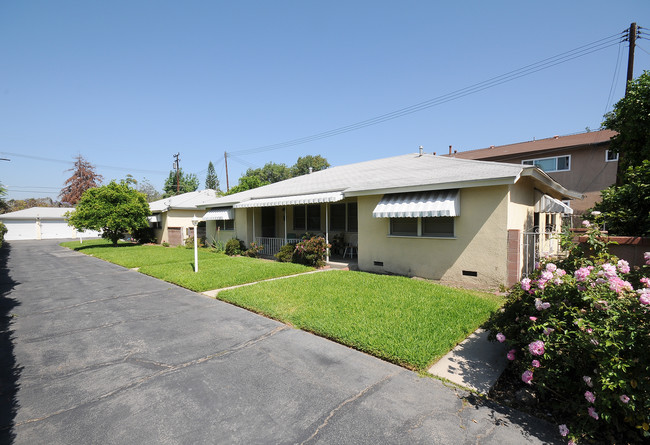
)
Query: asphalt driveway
[{"x": 92, "y": 353}]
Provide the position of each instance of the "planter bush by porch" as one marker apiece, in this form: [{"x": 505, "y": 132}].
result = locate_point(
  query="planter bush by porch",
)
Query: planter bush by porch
[
  {"x": 285, "y": 255},
  {"x": 234, "y": 247},
  {"x": 311, "y": 252}
]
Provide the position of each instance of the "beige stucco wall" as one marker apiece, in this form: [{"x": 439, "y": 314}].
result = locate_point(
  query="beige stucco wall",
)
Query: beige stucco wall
[
  {"x": 177, "y": 218},
  {"x": 479, "y": 244}
]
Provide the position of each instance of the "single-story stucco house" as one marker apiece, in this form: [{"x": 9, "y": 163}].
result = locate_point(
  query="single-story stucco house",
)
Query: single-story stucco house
[
  {"x": 442, "y": 218},
  {"x": 172, "y": 217},
  {"x": 41, "y": 223}
]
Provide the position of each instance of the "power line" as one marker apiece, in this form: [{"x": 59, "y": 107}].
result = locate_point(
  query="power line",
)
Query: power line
[
  {"x": 61, "y": 161},
  {"x": 549, "y": 62}
]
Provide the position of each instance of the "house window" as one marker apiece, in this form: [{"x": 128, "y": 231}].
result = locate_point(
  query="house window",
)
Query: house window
[
  {"x": 156, "y": 225},
  {"x": 353, "y": 223},
  {"x": 404, "y": 226},
  {"x": 554, "y": 164},
  {"x": 337, "y": 217},
  {"x": 299, "y": 217},
  {"x": 611, "y": 156},
  {"x": 433, "y": 227},
  {"x": 313, "y": 217},
  {"x": 227, "y": 224},
  {"x": 442, "y": 226}
]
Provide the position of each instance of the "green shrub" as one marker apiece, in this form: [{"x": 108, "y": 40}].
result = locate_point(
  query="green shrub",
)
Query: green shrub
[
  {"x": 253, "y": 251},
  {"x": 165, "y": 244},
  {"x": 144, "y": 235},
  {"x": 3, "y": 230},
  {"x": 311, "y": 252},
  {"x": 285, "y": 255},
  {"x": 218, "y": 246},
  {"x": 579, "y": 335},
  {"x": 189, "y": 242},
  {"x": 234, "y": 247}
]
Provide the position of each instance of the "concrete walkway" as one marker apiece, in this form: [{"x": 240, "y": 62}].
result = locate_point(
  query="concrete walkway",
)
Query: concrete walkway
[{"x": 92, "y": 353}]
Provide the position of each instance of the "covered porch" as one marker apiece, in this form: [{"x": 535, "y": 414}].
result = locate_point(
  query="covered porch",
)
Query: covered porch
[{"x": 277, "y": 221}]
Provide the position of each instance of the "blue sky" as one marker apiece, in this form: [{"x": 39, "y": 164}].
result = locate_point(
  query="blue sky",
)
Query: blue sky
[{"x": 127, "y": 84}]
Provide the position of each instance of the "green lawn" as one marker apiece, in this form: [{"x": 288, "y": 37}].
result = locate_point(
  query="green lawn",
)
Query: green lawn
[
  {"x": 405, "y": 321},
  {"x": 176, "y": 264}
]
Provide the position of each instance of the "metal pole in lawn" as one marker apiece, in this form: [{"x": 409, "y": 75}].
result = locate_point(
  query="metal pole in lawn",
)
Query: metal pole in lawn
[{"x": 195, "y": 223}]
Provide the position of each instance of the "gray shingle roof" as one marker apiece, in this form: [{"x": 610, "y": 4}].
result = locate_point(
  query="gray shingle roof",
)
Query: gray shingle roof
[{"x": 410, "y": 172}]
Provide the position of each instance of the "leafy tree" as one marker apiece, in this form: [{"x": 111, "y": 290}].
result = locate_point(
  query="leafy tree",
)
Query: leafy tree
[
  {"x": 270, "y": 173},
  {"x": 187, "y": 183},
  {"x": 3, "y": 204},
  {"x": 83, "y": 178},
  {"x": 211, "y": 180},
  {"x": 149, "y": 190},
  {"x": 247, "y": 183},
  {"x": 301, "y": 167},
  {"x": 631, "y": 119},
  {"x": 115, "y": 209},
  {"x": 626, "y": 207},
  {"x": 130, "y": 180},
  {"x": 21, "y": 204}
]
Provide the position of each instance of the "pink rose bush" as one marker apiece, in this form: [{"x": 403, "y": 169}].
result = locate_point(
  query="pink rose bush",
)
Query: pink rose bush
[{"x": 578, "y": 331}]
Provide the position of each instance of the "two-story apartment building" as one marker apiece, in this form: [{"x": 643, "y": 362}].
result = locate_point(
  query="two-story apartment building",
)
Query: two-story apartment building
[{"x": 580, "y": 162}]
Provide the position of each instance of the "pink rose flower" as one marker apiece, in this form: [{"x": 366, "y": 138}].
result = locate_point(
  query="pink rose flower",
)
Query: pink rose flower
[
  {"x": 533, "y": 318},
  {"x": 564, "y": 430},
  {"x": 501, "y": 337},
  {"x": 548, "y": 331},
  {"x": 511, "y": 354},
  {"x": 536, "y": 363},
  {"x": 527, "y": 377},
  {"x": 592, "y": 412},
  {"x": 536, "y": 347},
  {"x": 646, "y": 257},
  {"x": 525, "y": 284},
  {"x": 624, "y": 398},
  {"x": 591, "y": 398},
  {"x": 587, "y": 380},
  {"x": 586, "y": 223},
  {"x": 623, "y": 266},
  {"x": 551, "y": 267}
]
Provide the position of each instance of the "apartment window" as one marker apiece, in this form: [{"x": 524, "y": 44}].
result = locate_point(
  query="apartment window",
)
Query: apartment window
[
  {"x": 227, "y": 224},
  {"x": 442, "y": 226},
  {"x": 299, "y": 217},
  {"x": 353, "y": 224},
  {"x": 313, "y": 217},
  {"x": 337, "y": 217},
  {"x": 306, "y": 217},
  {"x": 611, "y": 156},
  {"x": 404, "y": 226},
  {"x": 554, "y": 164},
  {"x": 433, "y": 227}
]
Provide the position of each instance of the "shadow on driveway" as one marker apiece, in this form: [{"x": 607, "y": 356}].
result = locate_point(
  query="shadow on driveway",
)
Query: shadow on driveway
[{"x": 9, "y": 371}]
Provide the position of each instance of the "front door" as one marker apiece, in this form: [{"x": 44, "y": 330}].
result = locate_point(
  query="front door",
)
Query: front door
[{"x": 268, "y": 222}]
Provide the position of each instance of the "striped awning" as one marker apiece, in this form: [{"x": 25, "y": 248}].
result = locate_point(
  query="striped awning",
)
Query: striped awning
[
  {"x": 313, "y": 198},
  {"x": 419, "y": 204},
  {"x": 548, "y": 204},
  {"x": 155, "y": 218},
  {"x": 220, "y": 214}
]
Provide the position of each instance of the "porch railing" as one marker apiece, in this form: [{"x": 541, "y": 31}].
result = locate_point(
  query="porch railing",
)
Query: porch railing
[{"x": 271, "y": 246}]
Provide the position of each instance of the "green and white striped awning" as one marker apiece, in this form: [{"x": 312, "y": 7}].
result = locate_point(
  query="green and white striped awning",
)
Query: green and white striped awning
[{"x": 314, "y": 198}]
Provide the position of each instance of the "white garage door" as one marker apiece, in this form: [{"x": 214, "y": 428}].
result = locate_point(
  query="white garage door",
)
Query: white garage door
[
  {"x": 56, "y": 229},
  {"x": 20, "y": 230}
]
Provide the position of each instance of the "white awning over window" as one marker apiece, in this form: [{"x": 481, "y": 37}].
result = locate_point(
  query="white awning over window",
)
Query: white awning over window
[
  {"x": 154, "y": 218},
  {"x": 548, "y": 204},
  {"x": 419, "y": 204},
  {"x": 220, "y": 214},
  {"x": 314, "y": 198}
]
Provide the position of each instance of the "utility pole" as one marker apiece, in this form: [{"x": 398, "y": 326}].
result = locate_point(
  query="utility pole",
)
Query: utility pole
[
  {"x": 177, "y": 167},
  {"x": 225, "y": 156},
  {"x": 630, "y": 58}
]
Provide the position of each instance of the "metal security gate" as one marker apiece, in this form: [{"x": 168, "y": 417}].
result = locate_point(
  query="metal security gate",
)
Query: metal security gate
[{"x": 538, "y": 245}]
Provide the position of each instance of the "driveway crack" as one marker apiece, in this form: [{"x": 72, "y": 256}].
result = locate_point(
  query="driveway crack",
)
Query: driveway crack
[
  {"x": 169, "y": 369},
  {"x": 345, "y": 402}
]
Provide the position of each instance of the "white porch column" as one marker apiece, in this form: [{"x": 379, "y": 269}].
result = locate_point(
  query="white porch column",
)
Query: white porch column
[
  {"x": 327, "y": 231},
  {"x": 253, "y": 224},
  {"x": 285, "y": 224}
]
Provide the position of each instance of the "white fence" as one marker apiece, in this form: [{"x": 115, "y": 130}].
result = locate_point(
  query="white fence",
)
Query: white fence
[{"x": 271, "y": 246}]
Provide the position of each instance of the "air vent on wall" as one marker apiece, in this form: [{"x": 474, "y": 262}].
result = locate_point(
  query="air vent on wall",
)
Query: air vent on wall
[{"x": 470, "y": 273}]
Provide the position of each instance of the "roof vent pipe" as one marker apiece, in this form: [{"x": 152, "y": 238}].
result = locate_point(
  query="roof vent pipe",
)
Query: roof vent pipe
[
  {"x": 450, "y": 149},
  {"x": 421, "y": 150},
  {"x": 311, "y": 170}
]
